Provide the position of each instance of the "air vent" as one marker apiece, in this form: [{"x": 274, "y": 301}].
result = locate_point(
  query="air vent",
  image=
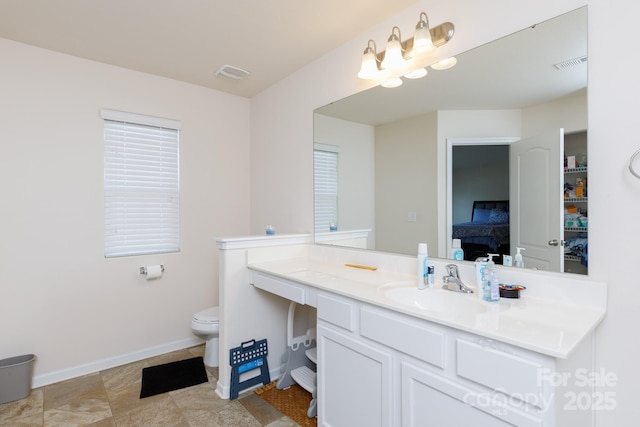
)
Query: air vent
[
  {"x": 570, "y": 63},
  {"x": 231, "y": 72}
]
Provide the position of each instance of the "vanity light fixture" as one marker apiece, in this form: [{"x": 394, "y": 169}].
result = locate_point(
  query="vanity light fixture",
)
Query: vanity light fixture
[{"x": 403, "y": 57}]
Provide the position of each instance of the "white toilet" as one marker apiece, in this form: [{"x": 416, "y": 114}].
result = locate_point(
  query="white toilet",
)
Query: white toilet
[{"x": 205, "y": 324}]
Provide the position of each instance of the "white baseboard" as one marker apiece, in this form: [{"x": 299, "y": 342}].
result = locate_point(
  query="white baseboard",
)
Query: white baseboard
[{"x": 99, "y": 365}]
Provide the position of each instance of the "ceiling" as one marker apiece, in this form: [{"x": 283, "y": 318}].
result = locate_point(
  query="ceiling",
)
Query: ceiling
[{"x": 190, "y": 40}]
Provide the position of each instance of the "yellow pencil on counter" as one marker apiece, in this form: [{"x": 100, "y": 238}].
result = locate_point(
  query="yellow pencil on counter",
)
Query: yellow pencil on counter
[{"x": 364, "y": 267}]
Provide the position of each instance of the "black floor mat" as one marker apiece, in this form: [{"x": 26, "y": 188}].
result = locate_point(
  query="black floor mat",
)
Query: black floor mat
[{"x": 172, "y": 376}]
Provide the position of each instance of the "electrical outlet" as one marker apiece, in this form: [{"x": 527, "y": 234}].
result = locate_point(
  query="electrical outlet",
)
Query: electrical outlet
[{"x": 411, "y": 217}]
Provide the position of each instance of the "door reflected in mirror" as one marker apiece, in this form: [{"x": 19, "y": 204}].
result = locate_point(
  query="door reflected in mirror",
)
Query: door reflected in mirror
[{"x": 393, "y": 185}]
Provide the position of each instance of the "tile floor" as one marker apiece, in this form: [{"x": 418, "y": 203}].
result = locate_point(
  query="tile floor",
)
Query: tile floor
[{"x": 111, "y": 398}]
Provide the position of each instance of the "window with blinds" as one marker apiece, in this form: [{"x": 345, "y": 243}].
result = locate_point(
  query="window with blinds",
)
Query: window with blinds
[
  {"x": 325, "y": 186},
  {"x": 141, "y": 184}
]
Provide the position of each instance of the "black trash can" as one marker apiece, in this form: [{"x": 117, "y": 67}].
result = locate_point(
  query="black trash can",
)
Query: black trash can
[{"x": 15, "y": 377}]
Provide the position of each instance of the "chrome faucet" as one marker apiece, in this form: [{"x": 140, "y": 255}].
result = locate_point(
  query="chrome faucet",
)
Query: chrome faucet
[{"x": 452, "y": 281}]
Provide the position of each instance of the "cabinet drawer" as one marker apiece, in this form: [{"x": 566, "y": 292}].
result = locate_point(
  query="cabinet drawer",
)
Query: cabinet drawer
[
  {"x": 404, "y": 334},
  {"x": 337, "y": 311},
  {"x": 283, "y": 288},
  {"x": 507, "y": 373}
]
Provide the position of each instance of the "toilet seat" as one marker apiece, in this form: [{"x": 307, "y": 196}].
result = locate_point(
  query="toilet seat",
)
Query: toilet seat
[{"x": 208, "y": 316}]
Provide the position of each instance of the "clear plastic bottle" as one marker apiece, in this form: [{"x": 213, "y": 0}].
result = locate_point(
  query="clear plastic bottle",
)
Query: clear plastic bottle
[
  {"x": 481, "y": 269},
  {"x": 423, "y": 266},
  {"x": 492, "y": 283}
]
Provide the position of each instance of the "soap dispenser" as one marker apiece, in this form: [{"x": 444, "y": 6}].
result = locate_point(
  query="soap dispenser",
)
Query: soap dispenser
[
  {"x": 491, "y": 290},
  {"x": 456, "y": 252},
  {"x": 518, "y": 258}
]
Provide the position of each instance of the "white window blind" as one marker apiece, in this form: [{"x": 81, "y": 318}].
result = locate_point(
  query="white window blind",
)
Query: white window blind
[
  {"x": 141, "y": 184},
  {"x": 325, "y": 186}
]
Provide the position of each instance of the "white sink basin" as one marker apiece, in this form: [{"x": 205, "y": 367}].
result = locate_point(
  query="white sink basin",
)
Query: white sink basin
[{"x": 435, "y": 300}]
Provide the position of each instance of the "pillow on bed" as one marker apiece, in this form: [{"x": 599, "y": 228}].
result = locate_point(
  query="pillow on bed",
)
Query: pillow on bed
[
  {"x": 498, "y": 216},
  {"x": 481, "y": 216}
]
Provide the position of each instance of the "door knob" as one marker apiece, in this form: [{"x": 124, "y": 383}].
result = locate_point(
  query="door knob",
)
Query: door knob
[{"x": 553, "y": 242}]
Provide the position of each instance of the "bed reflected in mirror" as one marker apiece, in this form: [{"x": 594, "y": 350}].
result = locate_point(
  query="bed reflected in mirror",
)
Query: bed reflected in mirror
[{"x": 487, "y": 232}]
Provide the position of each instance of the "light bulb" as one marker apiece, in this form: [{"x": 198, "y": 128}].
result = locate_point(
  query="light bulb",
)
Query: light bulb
[
  {"x": 393, "y": 55},
  {"x": 369, "y": 68},
  {"x": 445, "y": 63},
  {"x": 416, "y": 74},
  {"x": 392, "y": 83},
  {"x": 422, "y": 42}
]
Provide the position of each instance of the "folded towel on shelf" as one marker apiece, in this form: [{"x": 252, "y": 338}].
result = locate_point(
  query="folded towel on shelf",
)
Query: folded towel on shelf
[{"x": 577, "y": 246}]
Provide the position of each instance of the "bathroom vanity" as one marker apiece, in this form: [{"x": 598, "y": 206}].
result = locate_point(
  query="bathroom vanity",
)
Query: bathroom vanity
[{"x": 391, "y": 355}]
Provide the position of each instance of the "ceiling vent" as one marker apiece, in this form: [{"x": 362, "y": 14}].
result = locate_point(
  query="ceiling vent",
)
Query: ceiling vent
[
  {"x": 570, "y": 63},
  {"x": 231, "y": 72}
]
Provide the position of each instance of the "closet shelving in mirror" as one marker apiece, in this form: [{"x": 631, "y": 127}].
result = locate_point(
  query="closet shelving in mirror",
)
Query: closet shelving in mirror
[
  {"x": 576, "y": 170},
  {"x": 576, "y": 199},
  {"x": 576, "y": 202}
]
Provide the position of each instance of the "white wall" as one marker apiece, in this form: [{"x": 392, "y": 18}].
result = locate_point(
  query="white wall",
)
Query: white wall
[
  {"x": 356, "y": 174},
  {"x": 59, "y": 297},
  {"x": 482, "y": 175},
  {"x": 569, "y": 113},
  {"x": 282, "y": 123},
  {"x": 405, "y": 170}
]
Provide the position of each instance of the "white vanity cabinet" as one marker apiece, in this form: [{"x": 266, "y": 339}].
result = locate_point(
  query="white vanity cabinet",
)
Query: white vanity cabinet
[
  {"x": 378, "y": 367},
  {"x": 381, "y": 366}
]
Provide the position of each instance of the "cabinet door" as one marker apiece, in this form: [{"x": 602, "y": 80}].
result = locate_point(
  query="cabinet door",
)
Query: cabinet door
[
  {"x": 432, "y": 400},
  {"x": 354, "y": 381}
]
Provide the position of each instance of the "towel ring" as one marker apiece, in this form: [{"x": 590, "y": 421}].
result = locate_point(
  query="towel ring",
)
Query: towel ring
[{"x": 631, "y": 160}]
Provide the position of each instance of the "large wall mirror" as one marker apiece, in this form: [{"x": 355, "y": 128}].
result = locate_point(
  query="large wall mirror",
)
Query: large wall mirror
[{"x": 396, "y": 167}]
